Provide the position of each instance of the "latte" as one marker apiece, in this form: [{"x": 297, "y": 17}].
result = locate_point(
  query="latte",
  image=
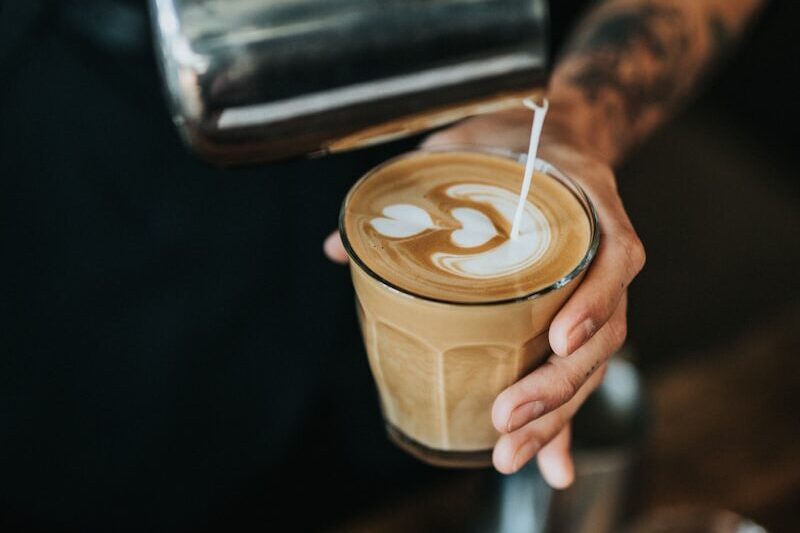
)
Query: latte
[{"x": 452, "y": 310}]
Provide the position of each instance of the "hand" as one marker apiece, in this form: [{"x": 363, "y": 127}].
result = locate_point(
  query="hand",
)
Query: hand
[{"x": 534, "y": 414}]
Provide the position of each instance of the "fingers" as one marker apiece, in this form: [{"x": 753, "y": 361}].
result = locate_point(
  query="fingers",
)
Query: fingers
[
  {"x": 555, "y": 460},
  {"x": 558, "y": 380},
  {"x": 509, "y": 129},
  {"x": 334, "y": 248},
  {"x": 513, "y": 450},
  {"x": 619, "y": 259}
]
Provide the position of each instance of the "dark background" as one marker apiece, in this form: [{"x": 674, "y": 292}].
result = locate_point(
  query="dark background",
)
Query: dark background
[
  {"x": 177, "y": 353},
  {"x": 714, "y": 196}
]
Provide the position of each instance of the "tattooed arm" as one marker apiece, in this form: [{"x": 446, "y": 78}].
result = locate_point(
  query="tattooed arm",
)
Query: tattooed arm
[{"x": 632, "y": 62}]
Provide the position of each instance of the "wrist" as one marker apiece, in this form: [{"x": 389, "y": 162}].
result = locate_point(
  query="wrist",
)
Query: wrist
[{"x": 573, "y": 120}]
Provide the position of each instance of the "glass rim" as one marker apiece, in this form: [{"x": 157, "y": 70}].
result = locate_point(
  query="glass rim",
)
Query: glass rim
[{"x": 540, "y": 165}]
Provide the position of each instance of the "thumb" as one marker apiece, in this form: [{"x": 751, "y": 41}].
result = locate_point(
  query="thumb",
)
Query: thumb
[{"x": 334, "y": 248}]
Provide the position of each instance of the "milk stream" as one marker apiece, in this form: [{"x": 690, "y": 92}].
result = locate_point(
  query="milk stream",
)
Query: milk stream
[{"x": 539, "y": 113}]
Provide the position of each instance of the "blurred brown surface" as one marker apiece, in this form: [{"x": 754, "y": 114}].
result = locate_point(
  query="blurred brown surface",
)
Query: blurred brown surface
[{"x": 726, "y": 432}]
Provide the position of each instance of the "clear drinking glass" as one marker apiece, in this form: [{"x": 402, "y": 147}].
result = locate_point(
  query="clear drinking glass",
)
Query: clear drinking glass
[{"x": 439, "y": 365}]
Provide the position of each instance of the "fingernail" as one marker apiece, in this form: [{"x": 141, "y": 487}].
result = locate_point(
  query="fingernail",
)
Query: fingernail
[
  {"x": 524, "y": 454},
  {"x": 579, "y": 335},
  {"x": 523, "y": 414}
]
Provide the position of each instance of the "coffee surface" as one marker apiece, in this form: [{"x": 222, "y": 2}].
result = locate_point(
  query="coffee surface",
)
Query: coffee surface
[{"x": 438, "y": 225}]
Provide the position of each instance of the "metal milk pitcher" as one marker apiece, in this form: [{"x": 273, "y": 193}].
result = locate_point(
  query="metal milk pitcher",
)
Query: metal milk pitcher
[{"x": 258, "y": 80}]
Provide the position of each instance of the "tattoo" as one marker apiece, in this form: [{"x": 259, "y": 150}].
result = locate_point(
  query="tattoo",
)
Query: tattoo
[
  {"x": 720, "y": 34},
  {"x": 632, "y": 62},
  {"x": 637, "y": 56}
]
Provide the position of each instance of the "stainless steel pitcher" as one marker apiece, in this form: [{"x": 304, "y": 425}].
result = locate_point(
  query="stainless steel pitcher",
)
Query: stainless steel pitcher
[{"x": 256, "y": 80}]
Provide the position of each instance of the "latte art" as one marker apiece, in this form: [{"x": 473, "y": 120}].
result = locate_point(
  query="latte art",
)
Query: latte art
[
  {"x": 402, "y": 220},
  {"x": 507, "y": 257},
  {"x": 439, "y": 225},
  {"x": 476, "y": 230}
]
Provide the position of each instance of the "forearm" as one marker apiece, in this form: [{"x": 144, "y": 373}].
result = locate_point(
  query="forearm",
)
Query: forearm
[{"x": 630, "y": 64}]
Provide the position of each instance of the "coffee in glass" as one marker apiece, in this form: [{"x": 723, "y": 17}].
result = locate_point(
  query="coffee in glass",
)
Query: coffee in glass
[{"x": 452, "y": 309}]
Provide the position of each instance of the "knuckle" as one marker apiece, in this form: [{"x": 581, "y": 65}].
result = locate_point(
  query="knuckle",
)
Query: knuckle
[
  {"x": 640, "y": 254},
  {"x": 618, "y": 332},
  {"x": 634, "y": 252},
  {"x": 524, "y": 390},
  {"x": 566, "y": 387}
]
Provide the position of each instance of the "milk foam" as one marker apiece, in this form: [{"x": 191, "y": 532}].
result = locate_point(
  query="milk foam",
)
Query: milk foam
[
  {"x": 511, "y": 255},
  {"x": 476, "y": 228},
  {"x": 402, "y": 220},
  {"x": 407, "y": 220}
]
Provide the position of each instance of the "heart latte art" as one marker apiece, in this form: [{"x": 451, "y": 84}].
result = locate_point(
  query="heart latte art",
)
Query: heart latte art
[
  {"x": 477, "y": 229},
  {"x": 438, "y": 225}
]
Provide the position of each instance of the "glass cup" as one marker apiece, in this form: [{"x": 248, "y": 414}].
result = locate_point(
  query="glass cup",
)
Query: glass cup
[{"x": 439, "y": 365}]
